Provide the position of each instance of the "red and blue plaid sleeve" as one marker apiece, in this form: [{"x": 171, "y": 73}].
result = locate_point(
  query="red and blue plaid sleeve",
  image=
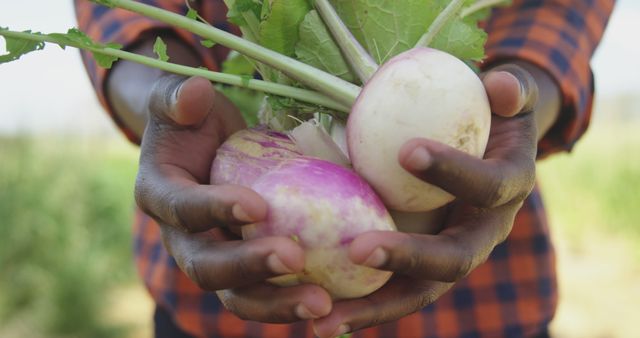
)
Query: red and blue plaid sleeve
[
  {"x": 126, "y": 28},
  {"x": 559, "y": 36}
]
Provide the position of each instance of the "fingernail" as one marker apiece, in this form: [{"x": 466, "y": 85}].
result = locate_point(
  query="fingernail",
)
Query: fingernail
[
  {"x": 276, "y": 266},
  {"x": 176, "y": 93},
  {"x": 173, "y": 101},
  {"x": 342, "y": 329},
  {"x": 528, "y": 97},
  {"x": 303, "y": 312},
  {"x": 419, "y": 159},
  {"x": 524, "y": 93},
  {"x": 377, "y": 258},
  {"x": 241, "y": 215}
]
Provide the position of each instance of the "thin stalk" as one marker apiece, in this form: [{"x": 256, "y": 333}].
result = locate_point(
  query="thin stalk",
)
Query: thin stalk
[
  {"x": 480, "y": 5},
  {"x": 342, "y": 91},
  {"x": 359, "y": 59},
  {"x": 234, "y": 80},
  {"x": 443, "y": 18}
]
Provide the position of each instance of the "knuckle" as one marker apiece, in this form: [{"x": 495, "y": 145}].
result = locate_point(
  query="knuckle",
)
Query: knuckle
[
  {"x": 529, "y": 180},
  {"x": 409, "y": 259},
  {"x": 242, "y": 267},
  {"x": 416, "y": 261},
  {"x": 502, "y": 190},
  {"x": 464, "y": 263},
  {"x": 141, "y": 192},
  {"x": 495, "y": 194},
  {"x": 192, "y": 269},
  {"x": 504, "y": 235},
  {"x": 464, "y": 268},
  {"x": 426, "y": 298},
  {"x": 174, "y": 206},
  {"x": 228, "y": 300}
]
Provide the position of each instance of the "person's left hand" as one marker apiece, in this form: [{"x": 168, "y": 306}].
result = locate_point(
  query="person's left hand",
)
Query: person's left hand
[{"x": 489, "y": 193}]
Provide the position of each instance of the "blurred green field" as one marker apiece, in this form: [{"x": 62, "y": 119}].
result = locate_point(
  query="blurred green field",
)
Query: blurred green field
[
  {"x": 66, "y": 206},
  {"x": 65, "y": 210},
  {"x": 597, "y": 185},
  {"x": 593, "y": 200}
]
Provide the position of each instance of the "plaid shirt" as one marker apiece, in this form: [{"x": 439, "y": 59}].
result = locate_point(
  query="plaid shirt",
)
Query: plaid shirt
[{"x": 513, "y": 294}]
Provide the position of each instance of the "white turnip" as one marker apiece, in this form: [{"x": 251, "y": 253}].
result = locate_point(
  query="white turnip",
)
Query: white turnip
[{"x": 419, "y": 93}]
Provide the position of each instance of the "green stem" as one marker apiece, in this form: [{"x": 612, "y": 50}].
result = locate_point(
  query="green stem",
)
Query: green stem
[
  {"x": 480, "y": 5},
  {"x": 359, "y": 60},
  {"x": 235, "y": 80},
  {"x": 443, "y": 18},
  {"x": 342, "y": 91}
]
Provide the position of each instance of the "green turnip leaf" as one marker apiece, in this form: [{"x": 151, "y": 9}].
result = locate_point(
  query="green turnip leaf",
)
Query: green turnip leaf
[
  {"x": 17, "y": 47},
  {"x": 192, "y": 14},
  {"x": 160, "y": 48},
  {"x": 463, "y": 39},
  {"x": 77, "y": 36},
  {"x": 207, "y": 43},
  {"x": 280, "y": 23},
  {"x": 317, "y": 48},
  {"x": 388, "y": 27},
  {"x": 238, "y": 7}
]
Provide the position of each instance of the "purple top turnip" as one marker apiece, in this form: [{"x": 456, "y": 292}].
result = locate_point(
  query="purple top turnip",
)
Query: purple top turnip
[{"x": 323, "y": 206}]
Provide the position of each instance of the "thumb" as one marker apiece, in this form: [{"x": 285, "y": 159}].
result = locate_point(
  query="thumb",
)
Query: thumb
[
  {"x": 181, "y": 101},
  {"x": 511, "y": 90}
]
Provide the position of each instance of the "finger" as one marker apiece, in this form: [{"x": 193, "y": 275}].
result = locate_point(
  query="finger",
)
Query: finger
[
  {"x": 171, "y": 196},
  {"x": 398, "y": 298},
  {"x": 181, "y": 101},
  {"x": 271, "y": 304},
  {"x": 511, "y": 90},
  {"x": 506, "y": 174},
  {"x": 177, "y": 150},
  {"x": 215, "y": 261},
  {"x": 446, "y": 257}
]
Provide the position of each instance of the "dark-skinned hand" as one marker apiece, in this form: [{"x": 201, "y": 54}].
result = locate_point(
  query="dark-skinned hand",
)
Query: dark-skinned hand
[
  {"x": 489, "y": 192},
  {"x": 188, "y": 121}
]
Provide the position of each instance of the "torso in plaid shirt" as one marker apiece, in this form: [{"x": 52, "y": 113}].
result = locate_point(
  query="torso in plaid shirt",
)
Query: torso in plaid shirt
[{"x": 513, "y": 294}]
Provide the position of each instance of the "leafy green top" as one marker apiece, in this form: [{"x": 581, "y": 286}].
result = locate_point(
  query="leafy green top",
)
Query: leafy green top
[
  {"x": 385, "y": 28},
  {"x": 293, "y": 28}
]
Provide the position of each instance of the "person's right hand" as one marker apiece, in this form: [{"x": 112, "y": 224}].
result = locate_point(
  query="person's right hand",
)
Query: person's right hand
[{"x": 188, "y": 121}]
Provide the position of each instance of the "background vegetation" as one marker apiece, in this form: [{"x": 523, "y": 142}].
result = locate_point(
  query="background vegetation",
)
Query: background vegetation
[{"x": 65, "y": 210}]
